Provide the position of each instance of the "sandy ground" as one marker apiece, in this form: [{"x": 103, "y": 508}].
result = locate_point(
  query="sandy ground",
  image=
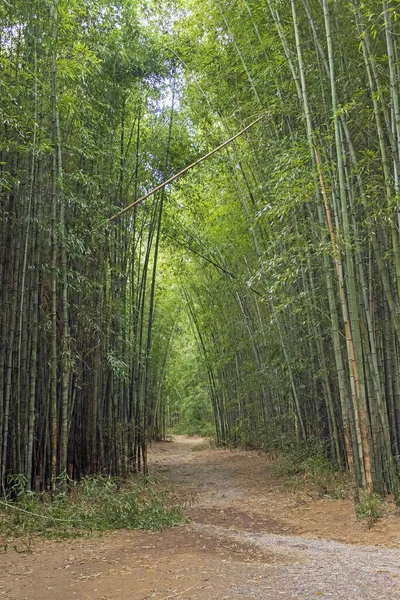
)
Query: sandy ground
[{"x": 248, "y": 538}]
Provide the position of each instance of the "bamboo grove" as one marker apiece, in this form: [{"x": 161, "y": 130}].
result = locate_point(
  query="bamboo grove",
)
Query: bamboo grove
[
  {"x": 78, "y": 142},
  {"x": 297, "y": 313},
  {"x": 265, "y": 283}
]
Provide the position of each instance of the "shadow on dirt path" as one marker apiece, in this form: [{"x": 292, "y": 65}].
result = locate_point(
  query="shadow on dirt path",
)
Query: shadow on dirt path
[{"x": 248, "y": 538}]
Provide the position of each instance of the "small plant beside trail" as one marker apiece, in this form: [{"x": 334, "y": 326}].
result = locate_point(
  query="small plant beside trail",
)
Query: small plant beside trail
[
  {"x": 96, "y": 504},
  {"x": 369, "y": 509}
]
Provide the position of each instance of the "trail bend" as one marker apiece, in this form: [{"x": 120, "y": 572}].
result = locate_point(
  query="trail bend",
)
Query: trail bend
[{"x": 248, "y": 538}]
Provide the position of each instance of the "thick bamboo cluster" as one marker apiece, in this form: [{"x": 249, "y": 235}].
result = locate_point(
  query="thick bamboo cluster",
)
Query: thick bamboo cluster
[
  {"x": 319, "y": 228},
  {"x": 78, "y": 391}
]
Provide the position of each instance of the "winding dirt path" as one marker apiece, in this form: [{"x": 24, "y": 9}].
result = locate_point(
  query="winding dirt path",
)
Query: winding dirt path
[{"x": 248, "y": 539}]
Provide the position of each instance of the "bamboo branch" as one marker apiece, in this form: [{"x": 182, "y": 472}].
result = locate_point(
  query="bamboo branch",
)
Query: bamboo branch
[{"x": 32, "y": 514}]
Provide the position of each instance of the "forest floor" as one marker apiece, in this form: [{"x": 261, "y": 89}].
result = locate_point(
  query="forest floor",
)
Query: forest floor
[{"x": 248, "y": 538}]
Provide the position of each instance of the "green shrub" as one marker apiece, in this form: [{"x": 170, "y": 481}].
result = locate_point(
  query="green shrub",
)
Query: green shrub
[{"x": 369, "y": 508}]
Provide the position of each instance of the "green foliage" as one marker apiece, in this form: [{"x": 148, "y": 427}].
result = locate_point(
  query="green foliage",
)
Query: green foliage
[
  {"x": 96, "y": 504},
  {"x": 247, "y": 329},
  {"x": 187, "y": 427},
  {"x": 243, "y": 434},
  {"x": 81, "y": 81},
  {"x": 294, "y": 457},
  {"x": 185, "y": 388},
  {"x": 369, "y": 508}
]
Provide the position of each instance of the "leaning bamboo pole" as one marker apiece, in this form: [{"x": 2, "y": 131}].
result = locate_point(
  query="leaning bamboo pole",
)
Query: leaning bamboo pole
[{"x": 185, "y": 170}]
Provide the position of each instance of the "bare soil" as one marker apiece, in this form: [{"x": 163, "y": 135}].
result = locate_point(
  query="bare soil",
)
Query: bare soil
[{"x": 248, "y": 538}]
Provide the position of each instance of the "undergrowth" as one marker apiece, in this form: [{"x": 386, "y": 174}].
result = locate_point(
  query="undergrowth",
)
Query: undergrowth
[
  {"x": 97, "y": 504},
  {"x": 306, "y": 466}
]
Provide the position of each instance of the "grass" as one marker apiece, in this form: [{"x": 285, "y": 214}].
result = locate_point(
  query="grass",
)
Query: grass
[{"x": 97, "y": 504}]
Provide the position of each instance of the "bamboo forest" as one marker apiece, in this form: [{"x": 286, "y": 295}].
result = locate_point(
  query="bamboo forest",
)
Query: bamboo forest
[
  {"x": 200, "y": 299},
  {"x": 255, "y": 298}
]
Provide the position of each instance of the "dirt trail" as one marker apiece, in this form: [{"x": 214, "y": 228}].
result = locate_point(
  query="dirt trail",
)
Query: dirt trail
[{"x": 248, "y": 539}]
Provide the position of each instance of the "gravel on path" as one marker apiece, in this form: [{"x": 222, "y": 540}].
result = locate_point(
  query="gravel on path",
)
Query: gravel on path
[{"x": 317, "y": 569}]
